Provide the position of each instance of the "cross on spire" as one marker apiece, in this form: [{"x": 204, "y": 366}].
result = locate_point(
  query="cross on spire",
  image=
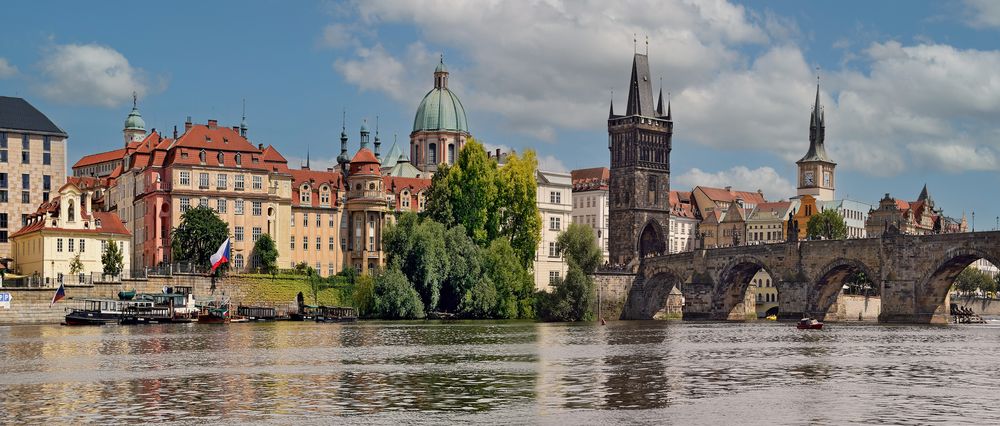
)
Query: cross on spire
[{"x": 135, "y": 100}]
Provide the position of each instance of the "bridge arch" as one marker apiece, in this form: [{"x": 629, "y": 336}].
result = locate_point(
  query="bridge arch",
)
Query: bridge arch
[
  {"x": 729, "y": 300},
  {"x": 932, "y": 290},
  {"x": 658, "y": 295},
  {"x": 830, "y": 281},
  {"x": 651, "y": 240}
]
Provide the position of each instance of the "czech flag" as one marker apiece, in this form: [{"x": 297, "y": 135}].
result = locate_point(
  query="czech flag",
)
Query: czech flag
[
  {"x": 60, "y": 294},
  {"x": 221, "y": 255}
]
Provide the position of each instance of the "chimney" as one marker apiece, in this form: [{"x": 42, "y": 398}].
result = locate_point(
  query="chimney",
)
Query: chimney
[
  {"x": 260, "y": 146},
  {"x": 498, "y": 153},
  {"x": 236, "y": 129},
  {"x": 212, "y": 124},
  {"x": 187, "y": 124},
  {"x": 729, "y": 189}
]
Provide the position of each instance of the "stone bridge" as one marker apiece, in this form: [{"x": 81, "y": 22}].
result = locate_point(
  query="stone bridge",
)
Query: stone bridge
[{"x": 913, "y": 272}]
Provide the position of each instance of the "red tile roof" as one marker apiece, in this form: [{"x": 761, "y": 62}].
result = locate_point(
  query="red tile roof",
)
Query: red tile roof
[
  {"x": 99, "y": 158},
  {"x": 721, "y": 194},
  {"x": 315, "y": 179},
  {"x": 590, "y": 179},
  {"x": 415, "y": 186},
  {"x": 364, "y": 162}
]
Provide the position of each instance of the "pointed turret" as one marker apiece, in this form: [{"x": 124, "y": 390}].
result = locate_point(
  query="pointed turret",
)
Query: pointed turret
[
  {"x": 640, "y": 91},
  {"x": 307, "y": 158},
  {"x": 342, "y": 158},
  {"x": 817, "y": 133},
  {"x": 923, "y": 194},
  {"x": 611, "y": 111},
  {"x": 377, "y": 141},
  {"x": 243, "y": 122},
  {"x": 659, "y": 103},
  {"x": 669, "y": 116}
]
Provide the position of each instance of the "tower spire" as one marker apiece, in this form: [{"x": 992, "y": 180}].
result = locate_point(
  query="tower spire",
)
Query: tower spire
[
  {"x": 135, "y": 100},
  {"x": 342, "y": 158},
  {"x": 243, "y": 122},
  {"x": 659, "y": 103},
  {"x": 611, "y": 111},
  {"x": 307, "y": 157},
  {"x": 364, "y": 133},
  {"x": 377, "y": 141},
  {"x": 668, "y": 107},
  {"x": 640, "y": 91}
]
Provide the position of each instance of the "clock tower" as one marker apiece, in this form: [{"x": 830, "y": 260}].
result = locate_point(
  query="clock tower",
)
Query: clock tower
[{"x": 816, "y": 170}]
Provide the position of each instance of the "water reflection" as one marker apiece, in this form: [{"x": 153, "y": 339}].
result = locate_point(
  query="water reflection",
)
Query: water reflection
[{"x": 498, "y": 372}]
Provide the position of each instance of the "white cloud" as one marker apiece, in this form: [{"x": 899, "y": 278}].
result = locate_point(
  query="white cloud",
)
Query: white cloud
[
  {"x": 740, "y": 178},
  {"x": 954, "y": 158},
  {"x": 376, "y": 69},
  {"x": 550, "y": 163},
  {"x": 92, "y": 74},
  {"x": 339, "y": 35},
  {"x": 6, "y": 69},
  {"x": 983, "y": 13}
]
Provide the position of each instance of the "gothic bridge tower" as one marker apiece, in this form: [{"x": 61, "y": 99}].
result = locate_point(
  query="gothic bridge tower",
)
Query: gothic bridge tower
[{"x": 640, "y": 145}]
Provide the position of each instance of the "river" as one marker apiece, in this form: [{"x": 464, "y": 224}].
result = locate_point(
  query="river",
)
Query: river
[{"x": 500, "y": 372}]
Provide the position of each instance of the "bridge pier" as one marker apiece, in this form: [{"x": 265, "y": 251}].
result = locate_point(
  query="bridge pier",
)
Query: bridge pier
[
  {"x": 901, "y": 303},
  {"x": 793, "y": 299}
]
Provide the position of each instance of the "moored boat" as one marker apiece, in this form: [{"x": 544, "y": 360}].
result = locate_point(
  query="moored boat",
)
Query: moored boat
[
  {"x": 102, "y": 311},
  {"x": 214, "y": 315},
  {"x": 809, "y": 324}
]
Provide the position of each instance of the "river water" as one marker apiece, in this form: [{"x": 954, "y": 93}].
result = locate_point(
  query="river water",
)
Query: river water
[{"x": 500, "y": 372}]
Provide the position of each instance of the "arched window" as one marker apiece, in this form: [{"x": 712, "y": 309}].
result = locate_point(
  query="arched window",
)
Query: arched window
[
  {"x": 451, "y": 153},
  {"x": 71, "y": 212},
  {"x": 432, "y": 155},
  {"x": 201, "y": 156},
  {"x": 405, "y": 198},
  {"x": 221, "y": 157},
  {"x": 238, "y": 261},
  {"x": 239, "y": 159},
  {"x": 305, "y": 194}
]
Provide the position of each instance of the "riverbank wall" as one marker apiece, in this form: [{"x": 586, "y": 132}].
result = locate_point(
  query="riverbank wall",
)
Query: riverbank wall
[
  {"x": 33, "y": 305},
  {"x": 610, "y": 293},
  {"x": 860, "y": 308}
]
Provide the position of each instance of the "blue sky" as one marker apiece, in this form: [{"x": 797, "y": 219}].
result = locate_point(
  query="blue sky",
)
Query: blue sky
[{"x": 911, "y": 89}]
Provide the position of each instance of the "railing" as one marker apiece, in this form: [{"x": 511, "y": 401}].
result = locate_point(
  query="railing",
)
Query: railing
[{"x": 168, "y": 269}]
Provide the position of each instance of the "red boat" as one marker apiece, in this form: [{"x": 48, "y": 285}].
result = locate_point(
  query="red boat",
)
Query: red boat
[{"x": 809, "y": 324}]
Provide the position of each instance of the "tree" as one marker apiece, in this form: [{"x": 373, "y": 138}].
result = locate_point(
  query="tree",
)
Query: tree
[
  {"x": 417, "y": 247},
  {"x": 394, "y": 297},
  {"x": 828, "y": 225},
  {"x": 439, "y": 197},
  {"x": 972, "y": 279},
  {"x": 363, "y": 295},
  {"x": 579, "y": 245},
  {"x": 519, "y": 220},
  {"x": 473, "y": 189},
  {"x": 569, "y": 300},
  {"x": 465, "y": 274},
  {"x": 267, "y": 254},
  {"x": 75, "y": 265},
  {"x": 198, "y": 237},
  {"x": 513, "y": 283},
  {"x": 112, "y": 259}
]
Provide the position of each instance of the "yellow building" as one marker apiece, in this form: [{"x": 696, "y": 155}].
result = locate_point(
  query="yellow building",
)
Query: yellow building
[
  {"x": 807, "y": 209},
  {"x": 65, "y": 228}
]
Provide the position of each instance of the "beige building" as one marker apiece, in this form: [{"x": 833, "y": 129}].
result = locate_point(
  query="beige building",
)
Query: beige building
[
  {"x": 590, "y": 203},
  {"x": 65, "y": 228},
  {"x": 555, "y": 205},
  {"x": 683, "y": 223},
  {"x": 32, "y": 164},
  {"x": 768, "y": 222},
  {"x": 315, "y": 230}
]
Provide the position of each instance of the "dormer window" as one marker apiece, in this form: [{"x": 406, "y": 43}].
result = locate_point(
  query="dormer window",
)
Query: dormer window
[
  {"x": 97, "y": 223},
  {"x": 239, "y": 159},
  {"x": 202, "y": 155},
  {"x": 305, "y": 195},
  {"x": 71, "y": 212},
  {"x": 221, "y": 157}
]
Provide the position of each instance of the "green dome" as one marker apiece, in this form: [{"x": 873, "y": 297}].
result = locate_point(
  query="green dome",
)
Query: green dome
[
  {"x": 440, "y": 110},
  {"x": 135, "y": 121}
]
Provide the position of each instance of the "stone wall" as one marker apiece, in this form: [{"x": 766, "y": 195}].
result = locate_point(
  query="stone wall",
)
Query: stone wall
[
  {"x": 981, "y": 306},
  {"x": 31, "y": 305},
  {"x": 612, "y": 289},
  {"x": 860, "y": 308}
]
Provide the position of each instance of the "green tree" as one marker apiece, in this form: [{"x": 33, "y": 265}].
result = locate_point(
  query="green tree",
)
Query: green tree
[
  {"x": 418, "y": 248},
  {"x": 395, "y": 297},
  {"x": 112, "y": 260},
  {"x": 474, "y": 192},
  {"x": 513, "y": 283},
  {"x": 828, "y": 225},
  {"x": 267, "y": 254},
  {"x": 570, "y": 298},
  {"x": 363, "y": 295},
  {"x": 465, "y": 271},
  {"x": 198, "y": 237},
  {"x": 972, "y": 279},
  {"x": 439, "y": 197},
  {"x": 579, "y": 246},
  {"x": 517, "y": 209},
  {"x": 75, "y": 265}
]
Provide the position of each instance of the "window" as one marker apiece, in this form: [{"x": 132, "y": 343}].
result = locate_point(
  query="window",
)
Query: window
[
  {"x": 319, "y": 217},
  {"x": 238, "y": 207},
  {"x": 238, "y": 261},
  {"x": 305, "y": 194},
  {"x": 71, "y": 211},
  {"x": 46, "y": 187},
  {"x": 203, "y": 202},
  {"x": 305, "y": 219},
  {"x": 332, "y": 224},
  {"x": 221, "y": 157},
  {"x": 185, "y": 178},
  {"x": 329, "y": 269},
  {"x": 104, "y": 246},
  {"x": 220, "y": 205},
  {"x": 305, "y": 243},
  {"x": 185, "y": 204},
  {"x": 239, "y": 159},
  {"x": 69, "y": 246},
  {"x": 371, "y": 235},
  {"x": 59, "y": 245},
  {"x": 238, "y": 233},
  {"x": 3, "y": 186},
  {"x": 432, "y": 155},
  {"x": 324, "y": 197},
  {"x": 333, "y": 243},
  {"x": 451, "y": 153},
  {"x": 25, "y": 149},
  {"x": 220, "y": 181},
  {"x": 3, "y": 147},
  {"x": 293, "y": 220},
  {"x": 555, "y": 197},
  {"x": 82, "y": 245},
  {"x": 258, "y": 183},
  {"x": 319, "y": 244},
  {"x": 257, "y": 210},
  {"x": 292, "y": 245},
  {"x": 238, "y": 182},
  {"x": 553, "y": 251},
  {"x": 46, "y": 150},
  {"x": 255, "y": 233},
  {"x": 553, "y": 277},
  {"x": 554, "y": 224},
  {"x": 3, "y": 227},
  {"x": 202, "y": 156},
  {"x": 25, "y": 181},
  {"x": 203, "y": 180}
]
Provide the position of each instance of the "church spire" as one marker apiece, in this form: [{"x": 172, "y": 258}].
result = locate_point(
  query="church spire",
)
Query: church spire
[
  {"x": 611, "y": 111},
  {"x": 640, "y": 92},
  {"x": 817, "y": 132},
  {"x": 307, "y": 157}
]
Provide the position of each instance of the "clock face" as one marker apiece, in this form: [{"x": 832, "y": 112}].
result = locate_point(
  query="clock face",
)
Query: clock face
[{"x": 808, "y": 178}]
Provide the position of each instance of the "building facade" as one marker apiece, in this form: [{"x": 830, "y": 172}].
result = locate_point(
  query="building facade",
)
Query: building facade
[
  {"x": 66, "y": 228},
  {"x": 855, "y": 214},
  {"x": 683, "y": 223},
  {"x": 816, "y": 170},
  {"x": 640, "y": 144},
  {"x": 768, "y": 222},
  {"x": 590, "y": 203},
  {"x": 920, "y": 217},
  {"x": 32, "y": 164},
  {"x": 555, "y": 205}
]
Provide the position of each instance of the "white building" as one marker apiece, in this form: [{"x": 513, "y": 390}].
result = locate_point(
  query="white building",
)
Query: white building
[
  {"x": 683, "y": 223},
  {"x": 590, "y": 203},
  {"x": 855, "y": 215},
  {"x": 555, "y": 205}
]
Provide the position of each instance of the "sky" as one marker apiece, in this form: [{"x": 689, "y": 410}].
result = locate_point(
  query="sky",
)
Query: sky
[{"x": 911, "y": 90}]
